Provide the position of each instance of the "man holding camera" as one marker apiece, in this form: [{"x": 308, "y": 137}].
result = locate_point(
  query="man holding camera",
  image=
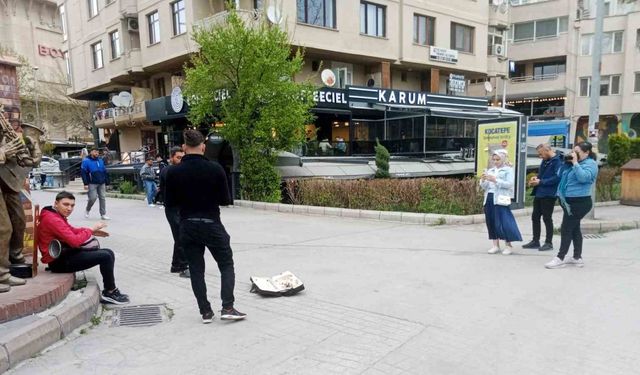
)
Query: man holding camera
[{"x": 545, "y": 187}]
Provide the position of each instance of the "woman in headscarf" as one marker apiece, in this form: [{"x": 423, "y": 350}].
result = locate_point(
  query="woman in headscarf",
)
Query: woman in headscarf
[
  {"x": 577, "y": 177},
  {"x": 498, "y": 184}
]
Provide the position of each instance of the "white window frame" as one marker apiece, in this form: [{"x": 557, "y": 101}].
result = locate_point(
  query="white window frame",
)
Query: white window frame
[
  {"x": 494, "y": 33},
  {"x": 344, "y": 76},
  {"x": 93, "y": 8},
  {"x": 608, "y": 79},
  {"x": 613, "y": 44},
  {"x": 97, "y": 55},
  {"x": 153, "y": 27},
  {"x": 179, "y": 18},
  {"x": 116, "y": 50},
  {"x": 535, "y": 38}
]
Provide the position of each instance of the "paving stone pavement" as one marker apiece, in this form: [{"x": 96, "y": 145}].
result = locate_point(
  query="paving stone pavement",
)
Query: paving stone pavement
[{"x": 381, "y": 298}]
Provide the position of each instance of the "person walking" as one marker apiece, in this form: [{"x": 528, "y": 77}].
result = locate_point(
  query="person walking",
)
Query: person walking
[
  {"x": 545, "y": 187},
  {"x": 577, "y": 176},
  {"x": 96, "y": 179},
  {"x": 148, "y": 175},
  {"x": 179, "y": 262},
  {"x": 197, "y": 188},
  {"x": 498, "y": 185}
]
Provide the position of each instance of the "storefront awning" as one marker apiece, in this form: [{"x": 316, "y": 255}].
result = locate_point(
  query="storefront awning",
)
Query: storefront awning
[{"x": 160, "y": 109}]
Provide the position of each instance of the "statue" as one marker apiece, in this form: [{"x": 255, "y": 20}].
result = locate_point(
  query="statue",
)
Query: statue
[{"x": 19, "y": 151}]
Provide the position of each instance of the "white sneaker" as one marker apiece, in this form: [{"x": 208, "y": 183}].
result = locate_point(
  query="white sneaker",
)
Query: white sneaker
[
  {"x": 86, "y": 214},
  {"x": 555, "y": 263},
  {"x": 571, "y": 261},
  {"x": 151, "y": 205},
  {"x": 105, "y": 217},
  {"x": 508, "y": 250},
  {"x": 494, "y": 250}
]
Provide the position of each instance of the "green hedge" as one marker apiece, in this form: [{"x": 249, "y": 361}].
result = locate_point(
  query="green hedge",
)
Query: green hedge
[
  {"x": 619, "y": 150},
  {"x": 634, "y": 150}
]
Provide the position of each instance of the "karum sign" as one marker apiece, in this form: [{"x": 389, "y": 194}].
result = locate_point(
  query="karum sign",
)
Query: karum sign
[{"x": 53, "y": 52}]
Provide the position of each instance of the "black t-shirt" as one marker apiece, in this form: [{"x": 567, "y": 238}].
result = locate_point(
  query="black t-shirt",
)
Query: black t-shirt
[{"x": 197, "y": 187}]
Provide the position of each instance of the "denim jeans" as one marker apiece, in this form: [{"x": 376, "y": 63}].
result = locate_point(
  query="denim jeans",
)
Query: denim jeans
[
  {"x": 150, "y": 188},
  {"x": 195, "y": 235}
]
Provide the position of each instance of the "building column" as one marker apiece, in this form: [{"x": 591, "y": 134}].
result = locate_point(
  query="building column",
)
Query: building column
[
  {"x": 435, "y": 81},
  {"x": 385, "y": 68}
]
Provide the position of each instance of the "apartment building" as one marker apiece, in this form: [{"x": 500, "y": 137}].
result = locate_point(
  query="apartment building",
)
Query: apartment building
[
  {"x": 550, "y": 46},
  {"x": 139, "y": 47},
  {"x": 31, "y": 36}
]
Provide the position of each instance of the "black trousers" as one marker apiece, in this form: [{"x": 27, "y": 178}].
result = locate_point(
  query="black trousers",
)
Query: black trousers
[
  {"x": 570, "y": 230},
  {"x": 195, "y": 235},
  {"x": 75, "y": 260},
  {"x": 543, "y": 207},
  {"x": 179, "y": 260}
]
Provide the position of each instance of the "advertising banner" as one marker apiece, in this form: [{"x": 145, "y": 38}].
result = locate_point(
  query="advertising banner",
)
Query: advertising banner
[{"x": 494, "y": 135}]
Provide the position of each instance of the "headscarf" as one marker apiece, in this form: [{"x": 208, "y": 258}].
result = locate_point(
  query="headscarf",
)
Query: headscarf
[{"x": 503, "y": 155}]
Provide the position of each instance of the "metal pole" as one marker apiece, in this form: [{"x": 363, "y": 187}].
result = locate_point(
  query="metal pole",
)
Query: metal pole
[
  {"x": 594, "y": 104},
  {"x": 506, "y": 56},
  {"x": 35, "y": 89}
]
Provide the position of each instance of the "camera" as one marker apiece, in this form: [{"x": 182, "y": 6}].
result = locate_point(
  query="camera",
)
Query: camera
[{"x": 568, "y": 158}]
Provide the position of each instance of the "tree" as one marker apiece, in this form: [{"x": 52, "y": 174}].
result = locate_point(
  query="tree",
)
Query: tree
[
  {"x": 382, "y": 160},
  {"x": 243, "y": 77}
]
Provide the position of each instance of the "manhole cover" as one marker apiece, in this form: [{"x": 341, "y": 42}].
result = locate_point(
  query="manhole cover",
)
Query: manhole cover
[
  {"x": 137, "y": 316},
  {"x": 592, "y": 236}
]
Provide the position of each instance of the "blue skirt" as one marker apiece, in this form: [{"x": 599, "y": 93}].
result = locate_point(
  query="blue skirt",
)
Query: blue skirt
[{"x": 501, "y": 224}]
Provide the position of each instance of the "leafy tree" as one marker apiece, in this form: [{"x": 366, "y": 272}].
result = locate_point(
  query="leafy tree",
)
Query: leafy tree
[
  {"x": 619, "y": 150},
  {"x": 243, "y": 76},
  {"x": 382, "y": 161}
]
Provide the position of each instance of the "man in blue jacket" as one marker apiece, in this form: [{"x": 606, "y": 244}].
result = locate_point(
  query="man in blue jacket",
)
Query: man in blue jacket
[
  {"x": 545, "y": 186},
  {"x": 95, "y": 178}
]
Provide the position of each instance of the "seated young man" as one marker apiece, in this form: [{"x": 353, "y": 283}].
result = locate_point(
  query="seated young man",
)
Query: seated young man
[{"x": 54, "y": 226}]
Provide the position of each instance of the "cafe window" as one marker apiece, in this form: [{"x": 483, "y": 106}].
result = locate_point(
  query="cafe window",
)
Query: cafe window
[
  {"x": 317, "y": 12},
  {"x": 179, "y": 17},
  {"x": 424, "y": 30},
  {"x": 462, "y": 37},
  {"x": 96, "y": 53},
  {"x": 153, "y": 20},
  {"x": 372, "y": 19}
]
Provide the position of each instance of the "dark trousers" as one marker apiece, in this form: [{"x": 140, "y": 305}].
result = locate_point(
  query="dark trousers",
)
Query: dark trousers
[
  {"x": 570, "y": 230},
  {"x": 195, "y": 235},
  {"x": 179, "y": 260},
  {"x": 75, "y": 260},
  {"x": 543, "y": 207}
]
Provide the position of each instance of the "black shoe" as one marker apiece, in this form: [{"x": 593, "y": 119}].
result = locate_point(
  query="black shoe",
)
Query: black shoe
[
  {"x": 231, "y": 314},
  {"x": 185, "y": 274},
  {"x": 207, "y": 317},
  {"x": 114, "y": 297},
  {"x": 531, "y": 245},
  {"x": 177, "y": 269},
  {"x": 547, "y": 246}
]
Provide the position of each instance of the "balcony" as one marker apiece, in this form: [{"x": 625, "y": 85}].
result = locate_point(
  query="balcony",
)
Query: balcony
[
  {"x": 539, "y": 85},
  {"x": 114, "y": 117},
  {"x": 250, "y": 17}
]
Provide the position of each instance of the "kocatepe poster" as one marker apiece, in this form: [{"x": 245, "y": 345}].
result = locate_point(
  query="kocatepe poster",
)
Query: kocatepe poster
[{"x": 494, "y": 136}]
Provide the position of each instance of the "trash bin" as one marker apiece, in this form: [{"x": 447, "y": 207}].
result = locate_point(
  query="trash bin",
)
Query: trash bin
[{"x": 630, "y": 194}]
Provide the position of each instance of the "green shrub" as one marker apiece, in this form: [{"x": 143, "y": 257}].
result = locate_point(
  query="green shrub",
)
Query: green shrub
[
  {"x": 634, "y": 150},
  {"x": 619, "y": 150},
  {"x": 127, "y": 187},
  {"x": 382, "y": 161},
  {"x": 608, "y": 185}
]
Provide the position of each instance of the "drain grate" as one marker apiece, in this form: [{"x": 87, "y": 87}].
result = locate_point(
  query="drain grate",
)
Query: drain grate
[
  {"x": 138, "y": 316},
  {"x": 593, "y": 236}
]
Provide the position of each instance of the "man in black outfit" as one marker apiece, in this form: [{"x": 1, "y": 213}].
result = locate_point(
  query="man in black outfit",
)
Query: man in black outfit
[
  {"x": 197, "y": 188},
  {"x": 179, "y": 262}
]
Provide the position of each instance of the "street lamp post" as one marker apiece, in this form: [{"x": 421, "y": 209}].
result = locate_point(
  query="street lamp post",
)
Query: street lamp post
[{"x": 35, "y": 89}]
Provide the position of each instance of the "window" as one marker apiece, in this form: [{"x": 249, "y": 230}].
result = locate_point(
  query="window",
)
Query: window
[
  {"x": 636, "y": 86},
  {"x": 154, "y": 27},
  {"x": 462, "y": 37},
  {"x": 424, "y": 30},
  {"x": 548, "y": 70},
  {"x": 372, "y": 19},
  {"x": 160, "y": 90},
  {"x": 179, "y": 18},
  {"x": 258, "y": 4},
  {"x": 611, "y": 43},
  {"x": 63, "y": 21},
  {"x": 68, "y": 66},
  {"x": 540, "y": 29},
  {"x": 93, "y": 8},
  {"x": 638, "y": 38},
  {"x": 96, "y": 53},
  {"x": 114, "y": 39},
  {"x": 317, "y": 12},
  {"x": 609, "y": 85},
  {"x": 344, "y": 76},
  {"x": 496, "y": 37}
]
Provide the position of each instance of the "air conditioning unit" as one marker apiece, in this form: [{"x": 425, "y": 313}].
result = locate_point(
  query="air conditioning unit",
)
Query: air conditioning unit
[
  {"x": 498, "y": 50},
  {"x": 132, "y": 24}
]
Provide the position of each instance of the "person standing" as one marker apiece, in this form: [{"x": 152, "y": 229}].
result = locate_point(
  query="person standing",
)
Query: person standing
[
  {"x": 197, "y": 188},
  {"x": 96, "y": 179},
  {"x": 498, "y": 184},
  {"x": 179, "y": 262},
  {"x": 148, "y": 175},
  {"x": 577, "y": 177},
  {"x": 545, "y": 187}
]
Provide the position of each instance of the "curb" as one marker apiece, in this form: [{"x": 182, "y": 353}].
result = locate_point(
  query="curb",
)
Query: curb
[
  {"x": 425, "y": 219},
  {"x": 25, "y": 342},
  {"x": 108, "y": 195}
]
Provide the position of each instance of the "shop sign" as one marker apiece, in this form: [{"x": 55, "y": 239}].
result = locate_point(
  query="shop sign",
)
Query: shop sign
[
  {"x": 387, "y": 96},
  {"x": 53, "y": 52},
  {"x": 177, "y": 101},
  {"x": 333, "y": 98},
  {"x": 443, "y": 55},
  {"x": 457, "y": 83}
]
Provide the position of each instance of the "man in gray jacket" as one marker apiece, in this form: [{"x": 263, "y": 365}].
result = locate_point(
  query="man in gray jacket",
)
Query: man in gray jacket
[{"x": 148, "y": 175}]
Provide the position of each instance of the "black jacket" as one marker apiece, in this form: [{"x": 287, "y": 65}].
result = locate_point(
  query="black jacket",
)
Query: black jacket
[{"x": 197, "y": 187}]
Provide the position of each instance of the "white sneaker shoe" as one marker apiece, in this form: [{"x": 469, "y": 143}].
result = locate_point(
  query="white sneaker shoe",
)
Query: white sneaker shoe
[
  {"x": 555, "y": 263},
  {"x": 105, "y": 217},
  {"x": 571, "y": 261},
  {"x": 86, "y": 214},
  {"x": 494, "y": 250},
  {"x": 508, "y": 250},
  {"x": 151, "y": 205}
]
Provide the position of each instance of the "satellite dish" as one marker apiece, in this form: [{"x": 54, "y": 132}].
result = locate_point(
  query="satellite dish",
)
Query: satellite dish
[
  {"x": 488, "y": 87},
  {"x": 371, "y": 82},
  {"x": 274, "y": 15},
  {"x": 328, "y": 77},
  {"x": 116, "y": 101},
  {"x": 126, "y": 99}
]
